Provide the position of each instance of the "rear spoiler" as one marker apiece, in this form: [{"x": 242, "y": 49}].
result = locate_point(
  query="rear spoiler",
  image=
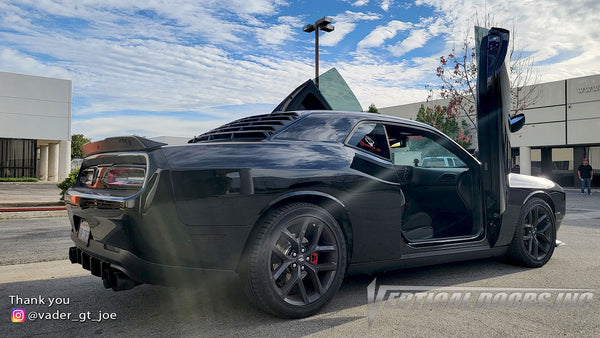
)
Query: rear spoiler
[{"x": 122, "y": 143}]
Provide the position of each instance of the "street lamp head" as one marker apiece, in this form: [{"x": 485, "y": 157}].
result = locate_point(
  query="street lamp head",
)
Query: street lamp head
[
  {"x": 309, "y": 28},
  {"x": 328, "y": 28},
  {"x": 323, "y": 24},
  {"x": 324, "y": 21}
]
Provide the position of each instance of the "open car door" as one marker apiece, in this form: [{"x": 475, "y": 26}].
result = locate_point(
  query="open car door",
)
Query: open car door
[{"x": 493, "y": 127}]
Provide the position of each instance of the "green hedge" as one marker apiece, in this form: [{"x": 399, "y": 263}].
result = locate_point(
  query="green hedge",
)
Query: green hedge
[
  {"x": 67, "y": 183},
  {"x": 18, "y": 179}
]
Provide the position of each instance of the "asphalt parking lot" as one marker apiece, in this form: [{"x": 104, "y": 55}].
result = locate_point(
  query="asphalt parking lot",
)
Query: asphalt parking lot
[{"x": 33, "y": 265}]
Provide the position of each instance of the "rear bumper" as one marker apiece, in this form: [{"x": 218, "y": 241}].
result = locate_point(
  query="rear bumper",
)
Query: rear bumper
[{"x": 96, "y": 258}]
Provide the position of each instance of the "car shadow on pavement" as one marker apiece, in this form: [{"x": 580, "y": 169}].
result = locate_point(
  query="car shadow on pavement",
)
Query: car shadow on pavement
[
  {"x": 213, "y": 307},
  {"x": 209, "y": 309},
  {"x": 354, "y": 288}
]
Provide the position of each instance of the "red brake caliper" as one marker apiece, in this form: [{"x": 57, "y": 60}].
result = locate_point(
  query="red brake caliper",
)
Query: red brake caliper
[{"x": 314, "y": 258}]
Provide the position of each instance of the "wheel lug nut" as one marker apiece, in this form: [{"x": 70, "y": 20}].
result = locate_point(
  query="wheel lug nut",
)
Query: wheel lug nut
[
  {"x": 302, "y": 268},
  {"x": 293, "y": 254},
  {"x": 302, "y": 250},
  {"x": 294, "y": 265}
]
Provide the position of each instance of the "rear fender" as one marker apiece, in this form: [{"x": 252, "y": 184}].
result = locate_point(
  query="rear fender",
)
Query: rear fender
[{"x": 325, "y": 201}]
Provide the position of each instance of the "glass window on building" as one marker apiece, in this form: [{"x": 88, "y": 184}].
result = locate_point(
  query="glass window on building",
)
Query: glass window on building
[{"x": 17, "y": 158}]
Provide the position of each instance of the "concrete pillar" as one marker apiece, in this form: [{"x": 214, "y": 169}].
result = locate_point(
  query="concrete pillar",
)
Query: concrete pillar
[
  {"x": 64, "y": 160},
  {"x": 53, "y": 162},
  {"x": 525, "y": 164},
  {"x": 43, "y": 166},
  {"x": 547, "y": 162}
]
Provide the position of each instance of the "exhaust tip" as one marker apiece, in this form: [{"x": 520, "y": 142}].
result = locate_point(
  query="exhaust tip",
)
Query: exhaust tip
[
  {"x": 73, "y": 255},
  {"x": 106, "y": 279},
  {"x": 117, "y": 280}
]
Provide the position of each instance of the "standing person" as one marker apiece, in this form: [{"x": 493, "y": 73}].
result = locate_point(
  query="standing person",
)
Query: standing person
[{"x": 585, "y": 174}]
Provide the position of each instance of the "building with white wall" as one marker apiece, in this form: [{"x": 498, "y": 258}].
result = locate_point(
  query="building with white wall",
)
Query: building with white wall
[
  {"x": 562, "y": 127},
  {"x": 35, "y": 127}
]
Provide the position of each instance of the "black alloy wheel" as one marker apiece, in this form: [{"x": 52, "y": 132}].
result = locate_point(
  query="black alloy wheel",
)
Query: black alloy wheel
[
  {"x": 296, "y": 261},
  {"x": 535, "y": 237}
]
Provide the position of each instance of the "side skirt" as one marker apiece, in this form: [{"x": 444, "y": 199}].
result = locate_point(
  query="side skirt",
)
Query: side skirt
[{"x": 425, "y": 259}]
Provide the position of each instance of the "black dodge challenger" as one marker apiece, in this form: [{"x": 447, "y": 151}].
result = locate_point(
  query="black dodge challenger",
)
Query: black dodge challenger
[{"x": 294, "y": 200}]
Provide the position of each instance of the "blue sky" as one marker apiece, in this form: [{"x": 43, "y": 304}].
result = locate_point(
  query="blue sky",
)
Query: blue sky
[{"x": 181, "y": 67}]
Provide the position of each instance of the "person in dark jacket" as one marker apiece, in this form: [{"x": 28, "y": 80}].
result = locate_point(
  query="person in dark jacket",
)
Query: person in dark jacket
[{"x": 585, "y": 174}]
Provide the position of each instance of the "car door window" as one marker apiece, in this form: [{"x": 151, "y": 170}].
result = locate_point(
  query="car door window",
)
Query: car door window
[
  {"x": 412, "y": 147},
  {"x": 371, "y": 137}
]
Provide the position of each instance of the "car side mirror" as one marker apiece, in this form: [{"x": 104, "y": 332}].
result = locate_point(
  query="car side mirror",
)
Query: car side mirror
[{"x": 517, "y": 122}]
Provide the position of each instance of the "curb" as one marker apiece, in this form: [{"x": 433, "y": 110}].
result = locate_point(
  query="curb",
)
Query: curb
[
  {"x": 26, "y": 204},
  {"x": 32, "y": 208},
  {"x": 4, "y": 216}
]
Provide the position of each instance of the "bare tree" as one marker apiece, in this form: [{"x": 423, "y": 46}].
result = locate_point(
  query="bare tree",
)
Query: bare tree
[
  {"x": 458, "y": 73},
  {"x": 524, "y": 77}
]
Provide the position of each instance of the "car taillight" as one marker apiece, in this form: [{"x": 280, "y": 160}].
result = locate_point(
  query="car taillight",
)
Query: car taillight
[
  {"x": 124, "y": 177},
  {"x": 88, "y": 176}
]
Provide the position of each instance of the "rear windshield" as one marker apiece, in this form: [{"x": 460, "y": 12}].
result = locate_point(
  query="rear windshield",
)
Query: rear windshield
[{"x": 319, "y": 127}]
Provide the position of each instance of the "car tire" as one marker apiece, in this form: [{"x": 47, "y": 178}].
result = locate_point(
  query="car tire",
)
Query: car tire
[
  {"x": 535, "y": 236},
  {"x": 295, "y": 261}
]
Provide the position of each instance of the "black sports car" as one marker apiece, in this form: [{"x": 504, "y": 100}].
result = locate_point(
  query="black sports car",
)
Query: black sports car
[{"x": 294, "y": 200}]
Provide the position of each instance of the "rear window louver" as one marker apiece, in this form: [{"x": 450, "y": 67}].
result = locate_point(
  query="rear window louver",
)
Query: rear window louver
[{"x": 257, "y": 127}]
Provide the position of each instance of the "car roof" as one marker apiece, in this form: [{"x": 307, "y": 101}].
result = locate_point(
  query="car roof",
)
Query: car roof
[
  {"x": 267, "y": 126},
  {"x": 368, "y": 116}
]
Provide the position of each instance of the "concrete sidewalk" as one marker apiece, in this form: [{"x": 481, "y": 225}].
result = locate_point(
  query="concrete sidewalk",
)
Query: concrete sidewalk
[
  {"x": 28, "y": 194},
  {"x": 30, "y": 200}
]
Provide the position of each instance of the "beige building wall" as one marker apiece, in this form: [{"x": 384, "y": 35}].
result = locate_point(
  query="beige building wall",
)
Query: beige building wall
[
  {"x": 39, "y": 108},
  {"x": 567, "y": 113},
  {"x": 566, "y": 116}
]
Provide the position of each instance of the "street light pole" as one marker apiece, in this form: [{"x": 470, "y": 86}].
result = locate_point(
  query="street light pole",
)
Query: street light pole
[
  {"x": 317, "y": 57},
  {"x": 323, "y": 24}
]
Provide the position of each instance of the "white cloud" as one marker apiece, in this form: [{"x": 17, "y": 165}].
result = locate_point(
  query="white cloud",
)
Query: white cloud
[
  {"x": 275, "y": 35},
  {"x": 151, "y": 75},
  {"x": 344, "y": 24},
  {"x": 566, "y": 35},
  {"x": 253, "y": 6},
  {"x": 193, "y": 56},
  {"x": 360, "y": 3},
  {"x": 98, "y": 128},
  {"x": 416, "y": 39},
  {"x": 387, "y": 83},
  {"x": 280, "y": 33},
  {"x": 24, "y": 64},
  {"x": 212, "y": 20},
  {"x": 385, "y": 4},
  {"x": 378, "y": 36}
]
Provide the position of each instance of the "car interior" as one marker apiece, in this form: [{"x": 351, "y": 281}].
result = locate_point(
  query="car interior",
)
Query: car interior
[{"x": 439, "y": 196}]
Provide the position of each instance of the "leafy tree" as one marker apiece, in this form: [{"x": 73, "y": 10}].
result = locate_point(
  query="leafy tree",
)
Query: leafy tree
[
  {"x": 373, "y": 109},
  {"x": 446, "y": 121},
  {"x": 77, "y": 142}
]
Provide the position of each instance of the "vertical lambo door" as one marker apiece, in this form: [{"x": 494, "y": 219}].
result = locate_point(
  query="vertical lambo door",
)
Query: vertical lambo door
[{"x": 493, "y": 127}]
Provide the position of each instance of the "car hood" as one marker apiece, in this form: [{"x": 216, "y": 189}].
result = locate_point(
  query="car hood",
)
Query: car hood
[{"x": 532, "y": 182}]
